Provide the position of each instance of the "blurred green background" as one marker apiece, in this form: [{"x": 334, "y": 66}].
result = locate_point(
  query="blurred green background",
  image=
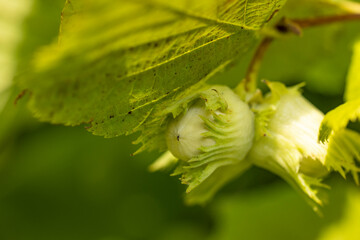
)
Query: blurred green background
[{"x": 61, "y": 182}]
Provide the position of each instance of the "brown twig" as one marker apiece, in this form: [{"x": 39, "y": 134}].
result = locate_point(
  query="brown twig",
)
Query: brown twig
[
  {"x": 286, "y": 26},
  {"x": 253, "y": 69},
  {"x": 312, "y": 22}
]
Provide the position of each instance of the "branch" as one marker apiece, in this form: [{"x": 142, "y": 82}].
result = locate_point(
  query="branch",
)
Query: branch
[
  {"x": 253, "y": 69},
  {"x": 313, "y": 22},
  {"x": 285, "y": 26}
]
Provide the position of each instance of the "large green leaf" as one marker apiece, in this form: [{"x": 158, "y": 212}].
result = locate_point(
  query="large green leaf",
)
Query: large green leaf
[{"x": 118, "y": 64}]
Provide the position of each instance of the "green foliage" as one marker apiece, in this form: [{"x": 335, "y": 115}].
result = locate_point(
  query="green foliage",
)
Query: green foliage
[
  {"x": 91, "y": 188},
  {"x": 147, "y": 59},
  {"x": 118, "y": 73},
  {"x": 324, "y": 51},
  {"x": 344, "y": 149},
  {"x": 338, "y": 118},
  {"x": 353, "y": 79}
]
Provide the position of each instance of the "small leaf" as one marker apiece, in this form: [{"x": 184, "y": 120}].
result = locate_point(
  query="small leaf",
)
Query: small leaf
[
  {"x": 343, "y": 150},
  {"x": 338, "y": 119}
]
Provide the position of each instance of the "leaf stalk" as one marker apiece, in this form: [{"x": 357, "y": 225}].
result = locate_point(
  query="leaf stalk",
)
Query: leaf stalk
[{"x": 286, "y": 26}]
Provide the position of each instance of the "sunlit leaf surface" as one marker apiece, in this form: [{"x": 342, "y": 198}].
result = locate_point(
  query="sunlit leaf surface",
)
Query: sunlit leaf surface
[{"x": 353, "y": 81}]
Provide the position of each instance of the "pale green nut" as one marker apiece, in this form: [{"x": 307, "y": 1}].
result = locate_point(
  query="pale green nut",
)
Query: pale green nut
[
  {"x": 208, "y": 142},
  {"x": 203, "y": 126},
  {"x": 287, "y": 141},
  {"x": 185, "y": 134}
]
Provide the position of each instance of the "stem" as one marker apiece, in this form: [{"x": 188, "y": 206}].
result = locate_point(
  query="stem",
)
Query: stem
[
  {"x": 285, "y": 26},
  {"x": 312, "y": 22},
  {"x": 253, "y": 69}
]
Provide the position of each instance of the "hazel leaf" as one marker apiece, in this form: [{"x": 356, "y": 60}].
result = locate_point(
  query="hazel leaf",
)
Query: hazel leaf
[
  {"x": 119, "y": 64},
  {"x": 344, "y": 149},
  {"x": 338, "y": 118}
]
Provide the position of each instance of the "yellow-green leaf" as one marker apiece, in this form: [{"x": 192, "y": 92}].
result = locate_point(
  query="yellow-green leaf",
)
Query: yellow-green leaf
[
  {"x": 353, "y": 80},
  {"x": 338, "y": 118},
  {"x": 118, "y": 64}
]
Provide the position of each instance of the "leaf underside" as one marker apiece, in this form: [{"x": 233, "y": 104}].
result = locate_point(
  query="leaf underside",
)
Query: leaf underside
[{"x": 119, "y": 64}]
